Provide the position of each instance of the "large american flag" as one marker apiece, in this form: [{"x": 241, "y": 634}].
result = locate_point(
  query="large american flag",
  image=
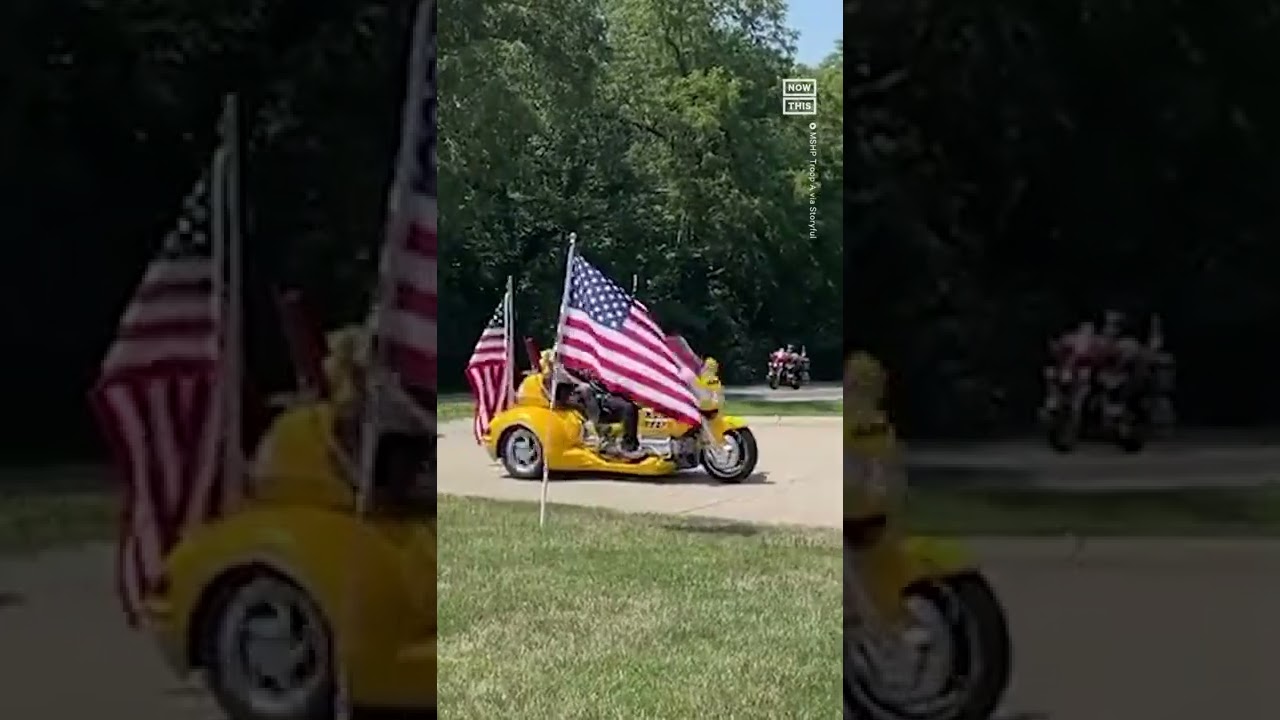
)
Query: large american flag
[
  {"x": 690, "y": 363},
  {"x": 489, "y": 370},
  {"x": 157, "y": 401},
  {"x": 607, "y": 331},
  {"x": 406, "y": 322}
]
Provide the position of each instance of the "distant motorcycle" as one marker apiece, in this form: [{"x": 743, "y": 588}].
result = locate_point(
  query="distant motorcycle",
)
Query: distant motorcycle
[
  {"x": 1111, "y": 389},
  {"x": 787, "y": 369}
]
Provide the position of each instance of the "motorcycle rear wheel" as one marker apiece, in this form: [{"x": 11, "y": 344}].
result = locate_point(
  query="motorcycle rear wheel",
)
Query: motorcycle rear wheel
[
  {"x": 520, "y": 450},
  {"x": 773, "y": 382},
  {"x": 978, "y": 668}
]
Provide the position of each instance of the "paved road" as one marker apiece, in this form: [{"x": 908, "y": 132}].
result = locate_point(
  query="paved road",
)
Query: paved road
[
  {"x": 791, "y": 488},
  {"x": 1118, "y": 630},
  {"x": 65, "y": 653}
]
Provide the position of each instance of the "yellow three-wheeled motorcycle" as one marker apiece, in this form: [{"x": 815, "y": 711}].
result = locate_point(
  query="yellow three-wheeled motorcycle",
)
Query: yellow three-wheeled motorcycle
[
  {"x": 531, "y": 433},
  {"x": 294, "y": 592},
  {"x": 925, "y": 635}
]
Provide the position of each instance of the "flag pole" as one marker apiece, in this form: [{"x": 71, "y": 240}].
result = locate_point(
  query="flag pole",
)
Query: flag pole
[
  {"x": 555, "y": 363},
  {"x": 509, "y": 335},
  {"x": 220, "y": 296},
  {"x": 375, "y": 382},
  {"x": 234, "y": 446},
  {"x": 635, "y": 284}
]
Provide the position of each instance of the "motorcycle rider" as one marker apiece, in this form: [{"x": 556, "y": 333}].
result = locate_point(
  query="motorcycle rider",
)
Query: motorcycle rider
[
  {"x": 582, "y": 391},
  {"x": 403, "y": 471},
  {"x": 1127, "y": 356}
]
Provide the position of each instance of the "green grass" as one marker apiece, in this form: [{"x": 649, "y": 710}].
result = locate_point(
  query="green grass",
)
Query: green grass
[
  {"x": 455, "y": 409},
  {"x": 608, "y": 615},
  {"x": 36, "y": 520},
  {"x": 1239, "y": 512}
]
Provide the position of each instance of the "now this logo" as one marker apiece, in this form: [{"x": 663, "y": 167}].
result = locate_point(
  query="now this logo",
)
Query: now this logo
[{"x": 799, "y": 96}]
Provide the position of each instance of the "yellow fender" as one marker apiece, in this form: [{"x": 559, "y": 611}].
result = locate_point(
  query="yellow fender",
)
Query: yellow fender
[
  {"x": 935, "y": 558},
  {"x": 558, "y": 430},
  {"x": 721, "y": 424},
  {"x": 373, "y": 580}
]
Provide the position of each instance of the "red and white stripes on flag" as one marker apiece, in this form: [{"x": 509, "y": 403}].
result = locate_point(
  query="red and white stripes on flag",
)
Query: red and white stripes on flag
[
  {"x": 406, "y": 321},
  {"x": 690, "y": 363},
  {"x": 605, "y": 330},
  {"x": 491, "y": 369},
  {"x": 159, "y": 402}
]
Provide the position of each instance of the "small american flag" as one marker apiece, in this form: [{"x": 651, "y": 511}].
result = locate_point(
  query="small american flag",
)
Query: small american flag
[
  {"x": 608, "y": 332},
  {"x": 488, "y": 370},
  {"x": 406, "y": 326},
  {"x": 157, "y": 401}
]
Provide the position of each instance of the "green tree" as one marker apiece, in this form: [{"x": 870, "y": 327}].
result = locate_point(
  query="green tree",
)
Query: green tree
[{"x": 653, "y": 130}]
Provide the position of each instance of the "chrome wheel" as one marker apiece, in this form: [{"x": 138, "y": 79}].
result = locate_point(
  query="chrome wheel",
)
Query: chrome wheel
[
  {"x": 272, "y": 652},
  {"x": 733, "y": 460},
  {"x": 953, "y": 666},
  {"x": 727, "y": 456},
  {"x": 522, "y": 453}
]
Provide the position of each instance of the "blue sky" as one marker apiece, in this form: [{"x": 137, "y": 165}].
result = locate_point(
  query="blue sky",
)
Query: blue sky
[{"x": 820, "y": 23}]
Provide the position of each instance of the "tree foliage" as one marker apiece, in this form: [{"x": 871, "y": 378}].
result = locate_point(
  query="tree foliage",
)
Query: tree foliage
[
  {"x": 109, "y": 117},
  {"x": 652, "y": 129},
  {"x": 665, "y": 152},
  {"x": 1018, "y": 165}
]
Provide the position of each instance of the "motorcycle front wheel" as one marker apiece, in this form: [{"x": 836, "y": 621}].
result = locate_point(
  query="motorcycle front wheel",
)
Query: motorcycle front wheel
[
  {"x": 1063, "y": 431},
  {"x": 964, "y": 668}
]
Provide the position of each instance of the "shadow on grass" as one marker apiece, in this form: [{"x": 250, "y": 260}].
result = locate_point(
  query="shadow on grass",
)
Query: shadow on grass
[{"x": 705, "y": 527}]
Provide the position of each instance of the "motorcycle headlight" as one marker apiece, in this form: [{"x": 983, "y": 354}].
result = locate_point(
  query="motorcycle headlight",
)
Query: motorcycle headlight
[{"x": 707, "y": 398}]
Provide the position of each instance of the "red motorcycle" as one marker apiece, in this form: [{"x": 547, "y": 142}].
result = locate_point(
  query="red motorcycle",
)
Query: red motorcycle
[
  {"x": 1103, "y": 388},
  {"x": 787, "y": 368}
]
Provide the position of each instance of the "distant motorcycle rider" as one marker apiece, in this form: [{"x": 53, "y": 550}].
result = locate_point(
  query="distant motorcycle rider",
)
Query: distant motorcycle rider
[
  {"x": 1115, "y": 348},
  {"x": 583, "y": 391}
]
